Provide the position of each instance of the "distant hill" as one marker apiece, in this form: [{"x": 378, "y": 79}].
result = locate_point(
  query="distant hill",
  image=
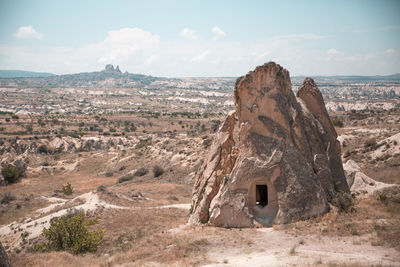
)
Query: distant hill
[
  {"x": 392, "y": 77},
  {"x": 109, "y": 77},
  {"x": 23, "y": 74}
]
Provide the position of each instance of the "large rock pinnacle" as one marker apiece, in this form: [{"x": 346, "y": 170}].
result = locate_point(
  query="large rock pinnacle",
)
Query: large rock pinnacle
[{"x": 285, "y": 164}]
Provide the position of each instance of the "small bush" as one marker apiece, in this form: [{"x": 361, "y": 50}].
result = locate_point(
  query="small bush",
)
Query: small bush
[
  {"x": 67, "y": 189},
  {"x": 73, "y": 135},
  {"x": 371, "y": 143},
  {"x": 383, "y": 198},
  {"x": 10, "y": 173},
  {"x": 142, "y": 144},
  {"x": 338, "y": 122},
  {"x": 7, "y": 197},
  {"x": 109, "y": 173},
  {"x": 43, "y": 149},
  {"x": 125, "y": 178},
  {"x": 157, "y": 171},
  {"x": 70, "y": 232},
  {"x": 207, "y": 142},
  {"x": 101, "y": 188},
  {"x": 344, "y": 202},
  {"x": 141, "y": 171}
]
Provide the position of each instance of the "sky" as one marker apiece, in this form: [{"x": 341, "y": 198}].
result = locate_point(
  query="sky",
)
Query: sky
[{"x": 215, "y": 38}]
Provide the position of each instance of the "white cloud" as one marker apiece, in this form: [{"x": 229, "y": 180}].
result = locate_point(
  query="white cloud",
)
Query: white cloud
[
  {"x": 262, "y": 57},
  {"x": 189, "y": 34},
  {"x": 201, "y": 57},
  {"x": 151, "y": 59},
  {"x": 390, "y": 52},
  {"x": 139, "y": 51},
  {"x": 333, "y": 54},
  {"x": 120, "y": 45},
  {"x": 27, "y": 32},
  {"x": 299, "y": 37},
  {"x": 217, "y": 32},
  {"x": 234, "y": 59},
  {"x": 333, "y": 51}
]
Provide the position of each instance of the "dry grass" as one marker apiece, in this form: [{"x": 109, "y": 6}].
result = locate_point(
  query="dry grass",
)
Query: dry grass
[
  {"x": 377, "y": 220},
  {"x": 131, "y": 236},
  {"x": 19, "y": 208}
]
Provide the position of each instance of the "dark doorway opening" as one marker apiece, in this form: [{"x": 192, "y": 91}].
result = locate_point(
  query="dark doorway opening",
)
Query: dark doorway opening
[{"x": 262, "y": 195}]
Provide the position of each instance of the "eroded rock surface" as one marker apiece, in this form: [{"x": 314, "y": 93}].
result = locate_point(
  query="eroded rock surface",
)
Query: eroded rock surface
[
  {"x": 285, "y": 165},
  {"x": 4, "y": 261},
  {"x": 359, "y": 183}
]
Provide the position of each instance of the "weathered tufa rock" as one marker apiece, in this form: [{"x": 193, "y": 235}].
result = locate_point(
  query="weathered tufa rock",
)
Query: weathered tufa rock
[
  {"x": 359, "y": 183},
  {"x": 4, "y": 261},
  {"x": 285, "y": 165}
]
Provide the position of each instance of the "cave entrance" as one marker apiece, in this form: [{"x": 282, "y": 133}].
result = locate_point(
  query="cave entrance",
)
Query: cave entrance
[{"x": 262, "y": 195}]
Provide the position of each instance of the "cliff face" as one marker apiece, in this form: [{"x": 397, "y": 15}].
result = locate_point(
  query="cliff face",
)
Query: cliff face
[{"x": 285, "y": 164}]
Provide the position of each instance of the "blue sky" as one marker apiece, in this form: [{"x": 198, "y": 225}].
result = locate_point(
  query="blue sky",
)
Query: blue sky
[{"x": 201, "y": 38}]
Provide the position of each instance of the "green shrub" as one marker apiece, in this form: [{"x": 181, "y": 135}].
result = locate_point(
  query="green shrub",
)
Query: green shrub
[
  {"x": 10, "y": 173},
  {"x": 73, "y": 135},
  {"x": 344, "y": 202},
  {"x": 143, "y": 143},
  {"x": 43, "y": 149},
  {"x": 207, "y": 142},
  {"x": 382, "y": 198},
  {"x": 70, "y": 232},
  {"x": 157, "y": 171},
  {"x": 125, "y": 178},
  {"x": 370, "y": 143},
  {"x": 109, "y": 173},
  {"x": 141, "y": 171},
  {"x": 101, "y": 188},
  {"x": 67, "y": 189},
  {"x": 338, "y": 122}
]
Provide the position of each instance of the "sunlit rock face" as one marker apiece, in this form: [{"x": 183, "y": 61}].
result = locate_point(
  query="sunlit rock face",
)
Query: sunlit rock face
[{"x": 274, "y": 160}]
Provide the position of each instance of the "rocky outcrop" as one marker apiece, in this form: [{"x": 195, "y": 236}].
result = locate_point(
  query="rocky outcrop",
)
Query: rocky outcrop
[
  {"x": 4, "y": 261},
  {"x": 359, "y": 183},
  {"x": 110, "y": 69},
  {"x": 285, "y": 165}
]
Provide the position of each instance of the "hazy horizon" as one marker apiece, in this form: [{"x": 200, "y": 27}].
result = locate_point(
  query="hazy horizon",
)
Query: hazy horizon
[{"x": 201, "y": 39}]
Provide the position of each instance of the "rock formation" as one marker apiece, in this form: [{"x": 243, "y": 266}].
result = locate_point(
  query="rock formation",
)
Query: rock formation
[
  {"x": 110, "y": 68},
  {"x": 284, "y": 165},
  {"x": 360, "y": 184},
  {"x": 4, "y": 261}
]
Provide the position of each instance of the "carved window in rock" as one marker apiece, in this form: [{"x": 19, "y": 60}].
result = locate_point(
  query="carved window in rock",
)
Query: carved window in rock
[{"x": 262, "y": 195}]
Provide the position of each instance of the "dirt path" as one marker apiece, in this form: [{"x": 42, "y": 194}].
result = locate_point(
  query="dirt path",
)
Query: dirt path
[
  {"x": 17, "y": 234},
  {"x": 271, "y": 247}
]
